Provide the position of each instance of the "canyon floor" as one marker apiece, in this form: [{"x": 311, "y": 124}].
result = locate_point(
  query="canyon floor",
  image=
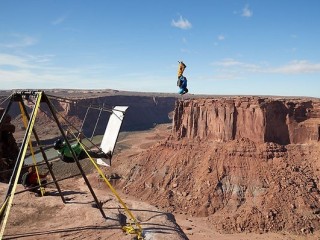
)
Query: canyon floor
[{"x": 48, "y": 217}]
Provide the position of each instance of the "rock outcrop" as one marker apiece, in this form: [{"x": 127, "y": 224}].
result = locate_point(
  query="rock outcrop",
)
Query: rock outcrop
[
  {"x": 281, "y": 121},
  {"x": 248, "y": 164}
]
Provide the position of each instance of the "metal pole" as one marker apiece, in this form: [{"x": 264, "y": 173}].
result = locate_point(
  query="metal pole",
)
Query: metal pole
[
  {"x": 17, "y": 169},
  {"x": 42, "y": 152},
  {"x": 75, "y": 157},
  {"x": 85, "y": 117},
  {"x": 48, "y": 183},
  {"x": 94, "y": 130},
  {"x": 6, "y": 111}
]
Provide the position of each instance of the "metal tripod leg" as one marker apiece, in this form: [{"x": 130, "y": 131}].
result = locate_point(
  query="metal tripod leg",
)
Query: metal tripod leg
[
  {"x": 43, "y": 152},
  {"x": 74, "y": 156}
]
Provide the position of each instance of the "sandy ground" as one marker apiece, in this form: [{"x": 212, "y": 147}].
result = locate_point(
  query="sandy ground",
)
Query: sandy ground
[{"x": 48, "y": 217}]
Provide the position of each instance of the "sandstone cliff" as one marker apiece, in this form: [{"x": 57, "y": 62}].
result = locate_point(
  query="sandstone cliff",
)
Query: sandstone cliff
[
  {"x": 258, "y": 119},
  {"x": 249, "y": 164}
]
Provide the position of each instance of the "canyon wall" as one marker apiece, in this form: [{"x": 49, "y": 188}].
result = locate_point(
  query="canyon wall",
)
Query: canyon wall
[
  {"x": 281, "y": 121},
  {"x": 144, "y": 111},
  {"x": 249, "y": 164}
]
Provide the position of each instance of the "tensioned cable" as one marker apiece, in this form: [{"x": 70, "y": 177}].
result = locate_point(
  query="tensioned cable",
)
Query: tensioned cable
[
  {"x": 70, "y": 124},
  {"x": 48, "y": 183},
  {"x": 50, "y": 117},
  {"x": 31, "y": 165},
  {"x": 6, "y": 98}
]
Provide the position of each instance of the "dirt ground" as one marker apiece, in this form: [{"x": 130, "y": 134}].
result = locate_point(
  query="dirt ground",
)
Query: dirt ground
[
  {"x": 193, "y": 227},
  {"x": 48, "y": 217}
]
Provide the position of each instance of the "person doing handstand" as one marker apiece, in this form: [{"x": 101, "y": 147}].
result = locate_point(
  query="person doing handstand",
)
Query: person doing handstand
[{"x": 182, "y": 80}]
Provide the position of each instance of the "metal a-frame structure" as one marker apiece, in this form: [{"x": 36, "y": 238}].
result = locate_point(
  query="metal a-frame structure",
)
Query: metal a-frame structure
[{"x": 40, "y": 97}]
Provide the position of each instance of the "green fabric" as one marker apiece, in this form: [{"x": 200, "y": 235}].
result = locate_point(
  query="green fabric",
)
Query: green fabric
[{"x": 65, "y": 151}]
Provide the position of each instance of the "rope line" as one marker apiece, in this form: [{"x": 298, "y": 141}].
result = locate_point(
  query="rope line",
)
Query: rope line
[
  {"x": 6, "y": 98},
  {"x": 69, "y": 124},
  {"x": 6, "y": 206},
  {"x": 25, "y": 122},
  {"x": 19, "y": 166},
  {"x": 128, "y": 229}
]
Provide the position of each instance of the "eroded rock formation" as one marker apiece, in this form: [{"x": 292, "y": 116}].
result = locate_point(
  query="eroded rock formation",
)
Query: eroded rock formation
[
  {"x": 249, "y": 164},
  {"x": 258, "y": 119}
]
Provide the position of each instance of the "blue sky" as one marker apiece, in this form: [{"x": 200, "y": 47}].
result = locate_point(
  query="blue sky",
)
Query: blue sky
[{"x": 234, "y": 47}]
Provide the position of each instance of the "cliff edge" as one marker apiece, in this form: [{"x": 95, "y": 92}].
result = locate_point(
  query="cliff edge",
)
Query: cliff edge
[
  {"x": 248, "y": 164},
  {"x": 281, "y": 121}
]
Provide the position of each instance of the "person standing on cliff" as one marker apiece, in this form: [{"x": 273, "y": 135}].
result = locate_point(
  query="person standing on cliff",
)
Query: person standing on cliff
[{"x": 182, "y": 80}]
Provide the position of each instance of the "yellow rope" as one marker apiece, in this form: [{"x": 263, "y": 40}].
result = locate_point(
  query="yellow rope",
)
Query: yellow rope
[
  {"x": 128, "y": 229},
  {"x": 25, "y": 122},
  {"x": 11, "y": 194},
  {"x": 3, "y": 206}
]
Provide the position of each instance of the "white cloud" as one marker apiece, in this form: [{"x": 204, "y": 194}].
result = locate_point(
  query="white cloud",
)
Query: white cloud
[
  {"x": 13, "y": 61},
  {"x": 229, "y": 62},
  {"x": 34, "y": 72},
  {"x": 40, "y": 78},
  {"x": 184, "y": 50},
  {"x": 296, "y": 67},
  {"x": 26, "y": 61},
  {"x": 16, "y": 76},
  {"x": 19, "y": 41},
  {"x": 59, "y": 20},
  {"x": 221, "y": 37},
  {"x": 181, "y": 23},
  {"x": 246, "y": 12}
]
